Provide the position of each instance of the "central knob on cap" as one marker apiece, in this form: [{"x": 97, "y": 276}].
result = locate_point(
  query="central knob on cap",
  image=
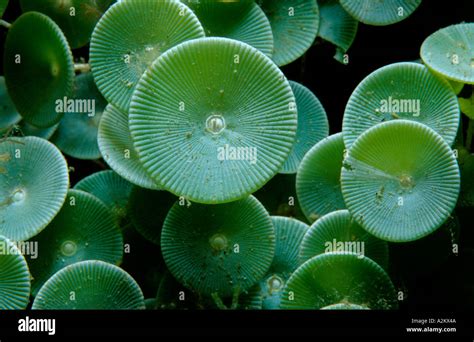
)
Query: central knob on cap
[
  {"x": 218, "y": 242},
  {"x": 275, "y": 283},
  {"x": 68, "y": 248},
  {"x": 18, "y": 196},
  {"x": 407, "y": 181},
  {"x": 215, "y": 124}
]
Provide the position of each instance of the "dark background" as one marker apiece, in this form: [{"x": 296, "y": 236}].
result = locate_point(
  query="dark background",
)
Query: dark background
[{"x": 445, "y": 284}]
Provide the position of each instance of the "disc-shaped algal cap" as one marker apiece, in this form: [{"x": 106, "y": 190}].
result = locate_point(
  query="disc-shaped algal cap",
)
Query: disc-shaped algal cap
[
  {"x": 38, "y": 68},
  {"x": 90, "y": 285},
  {"x": 402, "y": 91},
  {"x": 400, "y": 180},
  {"x": 338, "y": 232},
  {"x": 130, "y": 36},
  {"x": 221, "y": 248},
  {"x": 213, "y": 120},
  {"x": 84, "y": 229},
  {"x": 244, "y": 21},
  {"x": 76, "y": 135},
  {"x": 116, "y": 146},
  {"x": 113, "y": 190},
  {"x": 294, "y": 24},
  {"x": 313, "y": 126},
  {"x": 14, "y": 277},
  {"x": 33, "y": 185},
  {"x": 339, "y": 278},
  {"x": 76, "y": 18},
  {"x": 450, "y": 52},
  {"x": 380, "y": 13},
  {"x": 288, "y": 234},
  {"x": 318, "y": 183},
  {"x": 336, "y": 26}
]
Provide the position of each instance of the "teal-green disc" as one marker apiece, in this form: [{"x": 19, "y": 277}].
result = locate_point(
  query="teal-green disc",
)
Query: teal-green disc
[
  {"x": 84, "y": 229},
  {"x": 33, "y": 184},
  {"x": 213, "y": 120},
  {"x": 76, "y": 18},
  {"x": 450, "y": 52},
  {"x": 220, "y": 248},
  {"x": 294, "y": 25},
  {"x": 400, "y": 180},
  {"x": 76, "y": 135},
  {"x": 402, "y": 91},
  {"x": 338, "y": 232},
  {"x": 244, "y": 21},
  {"x": 289, "y": 234},
  {"x": 455, "y": 85},
  {"x": 318, "y": 183},
  {"x": 336, "y": 25},
  {"x": 313, "y": 126},
  {"x": 90, "y": 285},
  {"x": 113, "y": 190},
  {"x": 380, "y": 12},
  {"x": 38, "y": 68},
  {"x": 116, "y": 146},
  {"x": 14, "y": 277},
  {"x": 130, "y": 36},
  {"x": 337, "y": 278}
]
